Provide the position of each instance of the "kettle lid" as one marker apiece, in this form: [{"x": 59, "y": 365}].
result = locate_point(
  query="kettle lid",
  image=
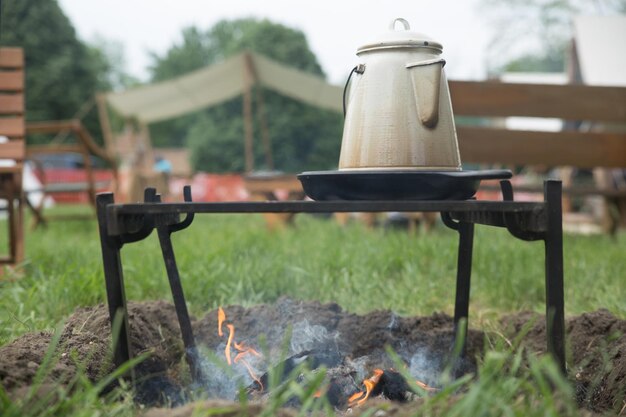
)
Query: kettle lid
[{"x": 401, "y": 39}]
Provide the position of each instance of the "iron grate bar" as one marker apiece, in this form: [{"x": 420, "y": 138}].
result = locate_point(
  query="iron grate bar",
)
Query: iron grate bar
[{"x": 127, "y": 218}]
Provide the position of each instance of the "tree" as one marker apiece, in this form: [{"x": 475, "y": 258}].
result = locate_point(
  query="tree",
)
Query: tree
[
  {"x": 533, "y": 35},
  {"x": 109, "y": 63},
  {"x": 193, "y": 53},
  {"x": 61, "y": 74},
  {"x": 302, "y": 137}
]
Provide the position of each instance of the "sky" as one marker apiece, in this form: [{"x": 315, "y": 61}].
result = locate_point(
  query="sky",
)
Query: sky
[{"x": 334, "y": 30}]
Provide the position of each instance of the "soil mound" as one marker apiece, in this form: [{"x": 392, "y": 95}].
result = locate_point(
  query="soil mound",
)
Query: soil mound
[
  {"x": 596, "y": 349},
  {"x": 596, "y": 344}
]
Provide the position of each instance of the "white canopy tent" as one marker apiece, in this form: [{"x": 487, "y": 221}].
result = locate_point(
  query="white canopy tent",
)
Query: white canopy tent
[
  {"x": 600, "y": 46},
  {"x": 220, "y": 82}
]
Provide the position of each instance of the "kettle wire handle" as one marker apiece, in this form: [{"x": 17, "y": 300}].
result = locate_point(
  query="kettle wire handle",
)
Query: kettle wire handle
[
  {"x": 404, "y": 22},
  {"x": 359, "y": 69}
]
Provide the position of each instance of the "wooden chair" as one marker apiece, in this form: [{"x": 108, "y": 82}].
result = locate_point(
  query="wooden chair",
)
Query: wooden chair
[
  {"x": 84, "y": 146},
  {"x": 12, "y": 148}
]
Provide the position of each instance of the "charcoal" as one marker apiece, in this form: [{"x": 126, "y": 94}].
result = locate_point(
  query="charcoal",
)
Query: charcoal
[
  {"x": 341, "y": 385},
  {"x": 393, "y": 386},
  {"x": 313, "y": 358},
  {"x": 336, "y": 394}
]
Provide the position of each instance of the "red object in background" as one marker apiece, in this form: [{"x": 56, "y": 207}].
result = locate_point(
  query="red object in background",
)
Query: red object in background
[
  {"x": 204, "y": 187},
  {"x": 218, "y": 187},
  {"x": 211, "y": 187},
  {"x": 491, "y": 194},
  {"x": 73, "y": 175},
  {"x": 494, "y": 193}
]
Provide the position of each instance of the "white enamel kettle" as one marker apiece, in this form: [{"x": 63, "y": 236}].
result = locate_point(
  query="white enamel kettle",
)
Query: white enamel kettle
[{"x": 398, "y": 114}]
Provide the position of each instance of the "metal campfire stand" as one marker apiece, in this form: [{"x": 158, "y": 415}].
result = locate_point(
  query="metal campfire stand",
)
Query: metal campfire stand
[{"x": 121, "y": 224}]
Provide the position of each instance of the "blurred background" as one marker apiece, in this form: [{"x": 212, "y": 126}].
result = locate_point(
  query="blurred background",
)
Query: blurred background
[{"x": 78, "y": 49}]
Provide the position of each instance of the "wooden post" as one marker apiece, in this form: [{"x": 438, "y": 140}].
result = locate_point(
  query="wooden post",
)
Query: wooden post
[
  {"x": 574, "y": 75},
  {"x": 248, "y": 80},
  {"x": 248, "y": 129},
  {"x": 91, "y": 181},
  {"x": 105, "y": 124},
  {"x": 146, "y": 144},
  {"x": 265, "y": 134}
]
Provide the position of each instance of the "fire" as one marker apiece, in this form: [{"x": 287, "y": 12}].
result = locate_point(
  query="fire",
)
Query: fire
[
  {"x": 355, "y": 397},
  {"x": 244, "y": 350},
  {"x": 425, "y": 387},
  {"x": 241, "y": 347},
  {"x": 221, "y": 316},
  {"x": 370, "y": 383},
  {"x": 231, "y": 334},
  {"x": 238, "y": 353}
]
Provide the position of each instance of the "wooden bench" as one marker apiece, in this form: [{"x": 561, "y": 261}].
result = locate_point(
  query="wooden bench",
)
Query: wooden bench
[
  {"x": 594, "y": 136},
  {"x": 12, "y": 147}
]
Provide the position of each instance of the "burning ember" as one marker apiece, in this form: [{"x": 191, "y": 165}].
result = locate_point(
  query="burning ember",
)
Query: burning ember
[
  {"x": 370, "y": 383},
  {"x": 389, "y": 383},
  {"x": 340, "y": 387}
]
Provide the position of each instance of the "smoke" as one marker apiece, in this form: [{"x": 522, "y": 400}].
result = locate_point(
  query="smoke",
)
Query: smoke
[
  {"x": 306, "y": 337},
  {"x": 426, "y": 367},
  {"x": 393, "y": 322},
  {"x": 320, "y": 346},
  {"x": 360, "y": 367},
  {"x": 220, "y": 380}
]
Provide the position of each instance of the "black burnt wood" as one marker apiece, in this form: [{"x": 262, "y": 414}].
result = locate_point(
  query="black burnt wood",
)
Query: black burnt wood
[{"x": 121, "y": 224}]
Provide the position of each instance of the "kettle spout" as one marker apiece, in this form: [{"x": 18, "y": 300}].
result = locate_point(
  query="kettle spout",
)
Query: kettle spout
[{"x": 426, "y": 80}]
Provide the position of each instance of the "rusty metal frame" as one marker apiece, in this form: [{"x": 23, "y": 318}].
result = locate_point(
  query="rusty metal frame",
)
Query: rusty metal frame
[{"x": 121, "y": 224}]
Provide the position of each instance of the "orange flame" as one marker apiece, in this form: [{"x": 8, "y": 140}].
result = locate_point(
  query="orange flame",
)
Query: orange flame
[
  {"x": 425, "y": 386},
  {"x": 221, "y": 316},
  {"x": 370, "y": 383},
  {"x": 240, "y": 347},
  {"x": 355, "y": 396},
  {"x": 231, "y": 334},
  {"x": 251, "y": 372}
]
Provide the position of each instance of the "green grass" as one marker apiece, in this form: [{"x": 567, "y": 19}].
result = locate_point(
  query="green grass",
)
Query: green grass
[{"x": 228, "y": 259}]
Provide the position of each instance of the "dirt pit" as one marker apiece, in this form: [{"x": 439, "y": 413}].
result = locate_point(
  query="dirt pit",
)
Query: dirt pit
[{"x": 596, "y": 349}]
